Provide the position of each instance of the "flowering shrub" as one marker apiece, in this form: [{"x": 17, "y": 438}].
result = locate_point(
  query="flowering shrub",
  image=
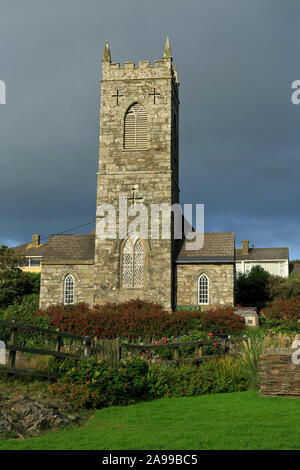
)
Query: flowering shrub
[
  {"x": 78, "y": 395},
  {"x": 283, "y": 313},
  {"x": 93, "y": 384},
  {"x": 114, "y": 385},
  {"x": 222, "y": 321},
  {"x": 129, "y": 320}
]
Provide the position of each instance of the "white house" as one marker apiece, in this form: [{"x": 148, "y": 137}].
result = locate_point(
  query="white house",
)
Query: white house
[{"x": 273, "y": 260}]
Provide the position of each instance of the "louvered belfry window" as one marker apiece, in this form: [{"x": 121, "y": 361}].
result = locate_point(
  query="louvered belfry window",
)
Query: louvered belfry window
[
  {"x": 133, "y": 261},
  {"x": 135, "y": 128}
]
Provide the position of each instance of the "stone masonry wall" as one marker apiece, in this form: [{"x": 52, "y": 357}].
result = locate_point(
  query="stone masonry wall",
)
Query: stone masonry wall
[
  {"x": 52, "y": 283},
  {"x": 154, "y": 171},
  {"x": 278, "y": 375},
  {"x": 221, "y": 284}
]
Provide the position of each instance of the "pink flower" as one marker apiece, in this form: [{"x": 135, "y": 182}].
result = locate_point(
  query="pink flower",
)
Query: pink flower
[
  {"x": 156, "y": 342},
  {"x": 210, "y": 334},
  {"x": 164, "y": 340},
  {"x": 215, "y": 345}
]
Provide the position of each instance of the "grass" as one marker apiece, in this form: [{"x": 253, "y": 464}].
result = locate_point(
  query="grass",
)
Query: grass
[{"x": 240, "y": 420}]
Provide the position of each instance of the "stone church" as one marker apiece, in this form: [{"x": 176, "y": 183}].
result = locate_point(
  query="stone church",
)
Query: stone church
[{"x": 138, "y": 159}]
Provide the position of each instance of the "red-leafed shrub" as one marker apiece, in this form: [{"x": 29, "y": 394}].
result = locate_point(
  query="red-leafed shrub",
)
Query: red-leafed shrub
[
  {"x": 222, "y": 321},
  {"x": 129, "y": 320},
  {"x": 283, "y": 312}
]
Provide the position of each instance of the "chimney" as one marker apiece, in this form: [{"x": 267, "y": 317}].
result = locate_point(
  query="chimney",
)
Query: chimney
[
  {"x": 245, "y": 248},
  {"x": 35, "y": 240}
]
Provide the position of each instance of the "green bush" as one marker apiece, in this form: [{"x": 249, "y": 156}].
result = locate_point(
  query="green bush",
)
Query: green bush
[
  {"x": 282, "y": 288},
  {"x": 25, "y": 312},
  {"x": 15, "y": 284},
  {"x": 283, "y": 313},
  {"x": 94, "y": 383},
  {"x": 252, "y": 289},
  {"x": 258, "y": 288},
  {"x": 78, "y": 395},
  {"x": 221, "y": 375},
  {"x": 115, "y": 385}
]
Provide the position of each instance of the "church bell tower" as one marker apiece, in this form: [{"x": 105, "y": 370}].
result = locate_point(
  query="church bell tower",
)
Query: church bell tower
[{"x": 139, "y": 166}]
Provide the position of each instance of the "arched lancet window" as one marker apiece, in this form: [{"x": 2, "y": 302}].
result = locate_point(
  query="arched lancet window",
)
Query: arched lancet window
[
  {"x": 203, "y": 290},
  {"x": 135, "y": 128},
  {"x": 133, "y": 261},
  {"x": 69, "y": 289}
]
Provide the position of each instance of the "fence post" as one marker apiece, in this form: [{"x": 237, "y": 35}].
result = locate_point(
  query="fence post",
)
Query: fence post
[
  {"x": 58, "y": 343},
  {"x": 87, "y": 347},
  {"x": 115, "y": 352},
  {"x": 175, "y": 354},
  {"x": 12, "y": 354}
]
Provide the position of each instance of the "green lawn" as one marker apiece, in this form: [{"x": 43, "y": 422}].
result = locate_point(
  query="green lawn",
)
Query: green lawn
[{"x": 241, "y": 420}]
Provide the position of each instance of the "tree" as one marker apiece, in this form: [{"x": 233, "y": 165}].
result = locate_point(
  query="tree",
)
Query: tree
[
  {"x": 8, "y": 258},
  {"x": 252, "y": 288},
  {"x": 14, "y": 283}
]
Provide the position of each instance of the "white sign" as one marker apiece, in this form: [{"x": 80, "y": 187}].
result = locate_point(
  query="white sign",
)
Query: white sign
[{"x": 2, "y": 353}]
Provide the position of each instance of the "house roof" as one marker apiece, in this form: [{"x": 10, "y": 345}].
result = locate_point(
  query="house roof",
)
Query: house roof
[
  {"x": 263, "y": 254},
  {"x": 27, "y": 249},
  {"x": 78, "y": 247},
  {"x": 218, "y": 247}
]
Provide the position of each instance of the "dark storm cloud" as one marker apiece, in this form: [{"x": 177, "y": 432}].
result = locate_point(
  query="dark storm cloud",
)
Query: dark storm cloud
[{"x": 239, "y": 132}]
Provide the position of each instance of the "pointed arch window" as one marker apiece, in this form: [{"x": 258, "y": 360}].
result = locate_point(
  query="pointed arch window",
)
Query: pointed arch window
[
  {"x": 135, "y": 128},
  {"x": 69, "y": 284},
  {"x": 133, "y": 263},
  {"x": 203, "y": 290}
]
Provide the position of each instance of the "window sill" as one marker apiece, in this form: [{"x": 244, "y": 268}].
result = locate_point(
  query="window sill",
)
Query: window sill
[{"x": 135, "y": 150}]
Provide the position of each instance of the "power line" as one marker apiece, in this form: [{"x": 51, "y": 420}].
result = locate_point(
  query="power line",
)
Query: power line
[{"x": 73, "y": 228}]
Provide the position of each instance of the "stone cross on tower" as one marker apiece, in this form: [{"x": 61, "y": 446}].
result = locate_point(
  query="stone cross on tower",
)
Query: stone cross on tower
[
  {"x": 154, "y": 94},
  {"x": 117, "y": 95},
  {"x": 134, "y": 197}
]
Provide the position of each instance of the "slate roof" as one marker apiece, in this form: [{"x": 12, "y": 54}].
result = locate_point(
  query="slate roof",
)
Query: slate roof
[
  {"x": 263, "y": 254},
  {"x": 218, "y": 248},
  {"x": 70, "y": 247},
  {"x": 27, "y": 249}
]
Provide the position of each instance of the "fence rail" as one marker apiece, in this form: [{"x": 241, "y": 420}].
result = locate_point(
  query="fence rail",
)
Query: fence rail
[{"x": 93, "y": 347}]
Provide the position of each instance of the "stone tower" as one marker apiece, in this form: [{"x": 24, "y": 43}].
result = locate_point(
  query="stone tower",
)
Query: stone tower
[{"x": 138, "y": 160}]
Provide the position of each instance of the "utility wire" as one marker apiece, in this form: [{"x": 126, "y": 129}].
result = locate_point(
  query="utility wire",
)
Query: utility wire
[
  {"x": 66, "y": 231},
  {"x": 73, "y": 228}
]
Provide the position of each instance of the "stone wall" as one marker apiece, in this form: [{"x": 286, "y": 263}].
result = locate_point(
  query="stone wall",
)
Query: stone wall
[
  {"x": 52, "y": 283},
  {"x": 278, "y": 375},
  {"x": 152, "y": 171},
  {"x": 221, "y": 284}
]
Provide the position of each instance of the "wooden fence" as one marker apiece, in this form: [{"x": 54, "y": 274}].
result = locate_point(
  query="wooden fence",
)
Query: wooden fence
[{"x": 89, "y": 347}]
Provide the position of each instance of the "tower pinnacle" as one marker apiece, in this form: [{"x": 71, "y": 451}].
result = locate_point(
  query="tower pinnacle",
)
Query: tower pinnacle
[
  {"x": 106, "y": 55},
  {"x": 167, "y": 51}
]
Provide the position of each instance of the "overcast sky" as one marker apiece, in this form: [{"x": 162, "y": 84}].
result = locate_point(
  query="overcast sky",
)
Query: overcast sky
[{"x": 239, "y": 131}]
